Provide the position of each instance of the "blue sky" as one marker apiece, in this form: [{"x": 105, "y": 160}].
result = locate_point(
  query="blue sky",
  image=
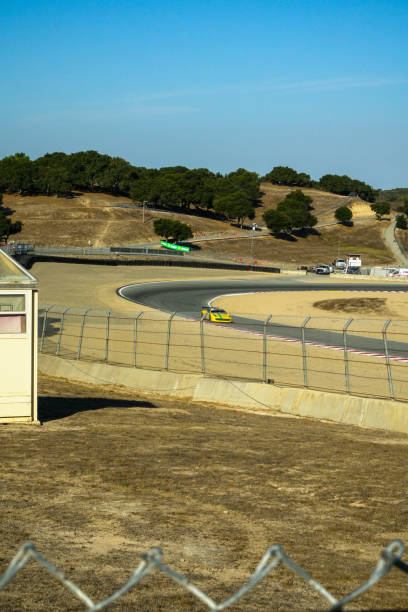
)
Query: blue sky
[{"x": 320, "y": 86}]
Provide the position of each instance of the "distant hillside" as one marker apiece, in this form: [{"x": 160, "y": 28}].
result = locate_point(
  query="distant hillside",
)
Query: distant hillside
[
  {"x": 392, "y": 195},
  {"x": 93, "y": 216},
  {"x": 98, "y": 218}
]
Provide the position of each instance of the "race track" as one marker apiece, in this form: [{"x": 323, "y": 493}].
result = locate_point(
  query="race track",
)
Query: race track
[{"x": 186, "y": 298}]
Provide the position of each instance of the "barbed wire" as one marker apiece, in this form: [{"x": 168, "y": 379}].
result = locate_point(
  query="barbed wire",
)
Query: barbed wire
[{"x": 152, "y": 560}]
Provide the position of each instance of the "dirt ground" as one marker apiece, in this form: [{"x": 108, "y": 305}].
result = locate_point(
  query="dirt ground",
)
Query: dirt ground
[
  {"x": 366, "y": 304},
  {"x": 111, "y": 473},
  {"x": 93, "y": 286}
]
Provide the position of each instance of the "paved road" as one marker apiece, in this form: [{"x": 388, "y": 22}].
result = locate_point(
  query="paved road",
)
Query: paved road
[
  {"x": 389, "y": 238},
  {"x": 186, "y": 298}
]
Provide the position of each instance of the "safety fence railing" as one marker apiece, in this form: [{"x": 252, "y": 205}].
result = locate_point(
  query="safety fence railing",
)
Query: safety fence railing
[
  {"x": 367, "y": 357},
  {"x": 274, "y": 557}
]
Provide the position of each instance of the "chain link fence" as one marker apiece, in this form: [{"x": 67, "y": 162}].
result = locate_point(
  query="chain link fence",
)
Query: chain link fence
[
  {"x": 152, "y": 560},
  {"x": 367, "y": 357}
]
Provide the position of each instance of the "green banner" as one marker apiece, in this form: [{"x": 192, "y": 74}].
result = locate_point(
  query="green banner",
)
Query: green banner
[{"x": 175, "y": 247}]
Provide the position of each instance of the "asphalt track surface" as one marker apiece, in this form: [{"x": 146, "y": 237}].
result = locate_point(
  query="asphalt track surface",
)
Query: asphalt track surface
[{"x": 186, "y": 298}]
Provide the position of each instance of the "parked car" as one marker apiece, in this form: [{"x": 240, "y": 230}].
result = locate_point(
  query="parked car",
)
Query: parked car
[
  {"x": 340, "y": 263},
  {"x": 322, "y": 269}
]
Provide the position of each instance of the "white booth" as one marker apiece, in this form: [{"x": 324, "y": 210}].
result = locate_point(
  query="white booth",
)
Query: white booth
[{"x": 18, "y": 342}]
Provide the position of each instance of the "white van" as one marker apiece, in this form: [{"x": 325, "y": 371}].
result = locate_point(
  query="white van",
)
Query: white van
[{"x": 399, "y": 272}]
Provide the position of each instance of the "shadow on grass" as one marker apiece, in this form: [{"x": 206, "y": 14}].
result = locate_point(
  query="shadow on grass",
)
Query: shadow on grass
[
  {"x": 284, "y": 236},
  {"x": 306, "y": 231},
  {"x": 52, "y": 408}
]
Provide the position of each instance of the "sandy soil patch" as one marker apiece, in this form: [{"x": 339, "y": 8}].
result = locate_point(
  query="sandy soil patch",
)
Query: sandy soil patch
[
  {"x": 112, "y": 473},
  {"x": 318, "y": 303},
  {"x": 361, "y": 209}
]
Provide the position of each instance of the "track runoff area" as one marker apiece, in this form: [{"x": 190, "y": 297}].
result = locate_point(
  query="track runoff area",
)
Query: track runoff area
[{"x": 187, "y": 297}]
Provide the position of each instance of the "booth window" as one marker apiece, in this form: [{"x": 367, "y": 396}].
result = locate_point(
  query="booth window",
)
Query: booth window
[{"x": 12, "y": 314}]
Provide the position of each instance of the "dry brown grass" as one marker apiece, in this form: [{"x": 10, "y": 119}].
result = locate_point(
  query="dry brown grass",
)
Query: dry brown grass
[
  {"x": 323, "y": 204},
  {"x": 322, "y": 245},
  {"x": 73, "y": 221},
  {"x": 112, "y": 473},
  {"x": 403, "y": 237}
]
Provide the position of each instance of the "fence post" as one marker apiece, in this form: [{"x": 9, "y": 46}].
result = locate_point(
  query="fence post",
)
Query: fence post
[
  {"x": 168, "y": 340},
  {"x": 264, "y": 349},
  {"x": 305, "y": 322},
  {"x": 387, "y": 357},
  {"x": 346, "y": 362},
  {"x": 135, "y": 336},
  {"x": 81, "y": 333},
  {"x": 202, "y": 345},
  {"x": 47, "y": 310},
  {"x": 108, "y": 315},
  {"x": 60, "y": 330}
]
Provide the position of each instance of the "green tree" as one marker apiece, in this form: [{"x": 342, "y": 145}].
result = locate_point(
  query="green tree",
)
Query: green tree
[
  {"x": 182, "y": 231},
  {"x": 291, "y": 213},
  {"x": 299, "y": 197},
  {"x": 344, "y": 185},
  {"x": 7, "y": 227},
  {"x": 236, "y": 205},
  {"x": 172, "y": 229},
  {"x": 401, "y": 222},
  {"x": 17, "y": 174},
  {"x": 277, "y": 221},
  {"x": 381, "y": 209},
  {"x": 343, "y": 214},
  {"x": 404, "y": 206},
  {"x": 283, "y": 175},
  {"x": 296, "y": 207}
]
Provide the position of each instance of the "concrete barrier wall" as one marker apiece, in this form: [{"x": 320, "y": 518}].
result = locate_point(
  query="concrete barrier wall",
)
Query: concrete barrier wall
[{"x": 336, "y": 407}]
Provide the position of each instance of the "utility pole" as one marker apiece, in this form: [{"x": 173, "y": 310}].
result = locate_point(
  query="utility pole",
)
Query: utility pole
[
  {"x": 144, "y": 203},
  {"x": 254, "y": 226}
]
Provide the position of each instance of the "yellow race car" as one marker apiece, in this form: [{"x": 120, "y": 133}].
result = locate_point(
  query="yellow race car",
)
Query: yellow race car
[{"x": 215, "y": 315}]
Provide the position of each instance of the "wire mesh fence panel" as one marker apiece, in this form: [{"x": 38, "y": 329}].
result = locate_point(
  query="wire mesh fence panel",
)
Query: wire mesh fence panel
[
  {"x": 399, "y": 373},
  {"x": 70, "y": 333},
  {"x": 94, "y": 334},
  {"x": 366, "y": 357},
  {"x": 274, "y": 558},
  {"x": 396, "y": 335},
  {"x": 233, "y": 353},
  {"x": 120, "y": 343},
  {"x": 151, "y": 340},
  {"x": 185, "y": 343},
  {"x": 283, "y": 362},
  {"x": 50, "y": 324}
]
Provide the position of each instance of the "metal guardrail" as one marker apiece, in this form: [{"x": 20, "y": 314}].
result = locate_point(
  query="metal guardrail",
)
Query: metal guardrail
[
  {"x": 152, "y": 560},
  {"x": 244, "y": 261},
  {"x": 259, "y": 352}
]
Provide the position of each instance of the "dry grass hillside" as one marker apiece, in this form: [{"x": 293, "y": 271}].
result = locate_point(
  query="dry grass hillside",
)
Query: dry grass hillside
[
  {"x": 324, "y": 204},
  {"x": 322, "y": 245},
  {"x": 91, "y": 216},
  {"x": 96, "y": 217}
]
